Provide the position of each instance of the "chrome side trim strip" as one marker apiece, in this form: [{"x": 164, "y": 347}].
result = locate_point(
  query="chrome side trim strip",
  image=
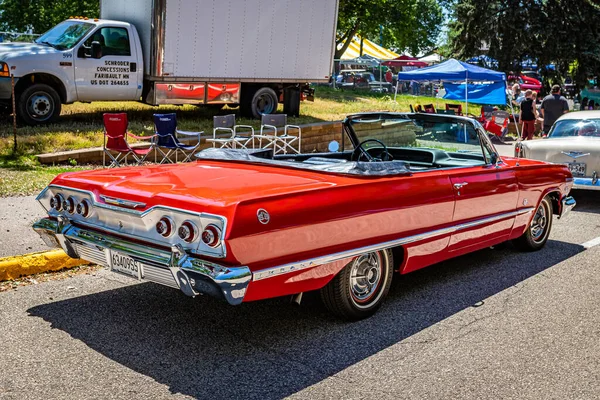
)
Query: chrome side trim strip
[{"x": 298, "y": 266}]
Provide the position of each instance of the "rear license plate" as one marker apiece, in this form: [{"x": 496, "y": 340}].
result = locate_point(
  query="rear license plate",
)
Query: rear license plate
[
  {"x": 124, "y": 264},
  {"x": 577, "y": 168}
]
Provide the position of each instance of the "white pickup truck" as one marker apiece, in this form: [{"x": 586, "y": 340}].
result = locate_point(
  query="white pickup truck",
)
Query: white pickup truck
[{"x": 254, "y": 53}]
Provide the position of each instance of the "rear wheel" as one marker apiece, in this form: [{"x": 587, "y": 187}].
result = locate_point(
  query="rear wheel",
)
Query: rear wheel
[
  {"x": 38, "y": 104},
  {"x": 262, "y": 101},
  {"x": 537, "y": 233},
  {"x": 360, "y": 288}
]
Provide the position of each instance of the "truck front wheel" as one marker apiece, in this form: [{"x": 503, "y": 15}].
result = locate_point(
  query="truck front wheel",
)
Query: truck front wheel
[{"x": 38, "y": 104}]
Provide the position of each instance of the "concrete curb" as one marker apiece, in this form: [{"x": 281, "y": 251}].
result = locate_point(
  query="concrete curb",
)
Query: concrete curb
[{"x": 35, "y": 263}]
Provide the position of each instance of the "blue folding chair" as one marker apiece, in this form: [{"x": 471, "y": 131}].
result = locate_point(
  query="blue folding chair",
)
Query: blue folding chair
[{"x": 166, "y": 138}]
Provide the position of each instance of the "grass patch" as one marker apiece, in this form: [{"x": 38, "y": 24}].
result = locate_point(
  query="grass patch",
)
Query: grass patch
[
  {"x": 24, "y": 176},
  {"x": 80, "y": 126}
]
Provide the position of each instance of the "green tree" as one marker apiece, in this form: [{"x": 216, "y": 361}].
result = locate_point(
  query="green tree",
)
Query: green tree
[
  {"x": 561, "y": 32},
  {"x": 412, "y": 25},
  {"x": 41, "y": 15}
]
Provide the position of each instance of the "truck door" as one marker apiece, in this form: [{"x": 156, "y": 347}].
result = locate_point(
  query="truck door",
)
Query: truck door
[{"x": 112, "y": 74}]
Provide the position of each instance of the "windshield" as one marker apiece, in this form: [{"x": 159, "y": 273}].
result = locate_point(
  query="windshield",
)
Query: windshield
[
  {"x": 65, "y": 35},
  {"x": 419, "y": 131},
  {"x": 576, "y": 127}
]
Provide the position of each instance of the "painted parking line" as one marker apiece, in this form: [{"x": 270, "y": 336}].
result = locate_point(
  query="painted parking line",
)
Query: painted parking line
[{"x": 591, "y": 243}]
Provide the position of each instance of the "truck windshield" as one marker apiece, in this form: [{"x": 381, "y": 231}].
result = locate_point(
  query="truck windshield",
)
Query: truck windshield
[{"x": 65, "y": 35}]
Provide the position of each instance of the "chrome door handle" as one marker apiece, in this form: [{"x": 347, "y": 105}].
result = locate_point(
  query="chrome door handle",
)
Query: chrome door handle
[{"x": 459, "y": 186}]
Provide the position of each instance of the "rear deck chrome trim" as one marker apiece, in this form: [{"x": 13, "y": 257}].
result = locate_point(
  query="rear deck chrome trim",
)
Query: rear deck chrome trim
[{"x": 301, "y": 265}]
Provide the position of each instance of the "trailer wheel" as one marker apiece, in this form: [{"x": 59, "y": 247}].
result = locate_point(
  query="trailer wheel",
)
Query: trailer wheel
[
  {"x": 38, "y": 104},
  {"x": 264, "y": 101}
]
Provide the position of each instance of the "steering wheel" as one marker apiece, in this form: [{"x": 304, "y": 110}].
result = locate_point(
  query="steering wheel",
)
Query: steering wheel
[{"x": 360, "y": 151}]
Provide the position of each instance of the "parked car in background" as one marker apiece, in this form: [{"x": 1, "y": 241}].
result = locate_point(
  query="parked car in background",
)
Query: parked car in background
[
  {"x": 532, "y": 74},
  {"x": 526, "y": 82},
  {"x": 362, "y": 79},
  {"x": 574, "y": 141},
  {"x": 404, "y": 191}
]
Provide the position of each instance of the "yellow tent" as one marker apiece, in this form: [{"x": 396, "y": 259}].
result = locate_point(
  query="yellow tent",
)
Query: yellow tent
[{"x": 369, "y": 48}]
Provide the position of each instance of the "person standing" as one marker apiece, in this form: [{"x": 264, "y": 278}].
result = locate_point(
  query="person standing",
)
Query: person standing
[
  {"x": 553, "y": 106},
  {"x": 527, "y": 116}
]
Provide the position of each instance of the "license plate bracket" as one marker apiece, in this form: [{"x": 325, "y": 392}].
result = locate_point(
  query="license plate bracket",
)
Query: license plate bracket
[{"x": 124, "y": 264}]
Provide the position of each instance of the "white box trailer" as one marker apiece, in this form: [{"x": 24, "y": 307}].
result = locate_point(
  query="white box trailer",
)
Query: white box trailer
[
  {"x": 254, "y": 53},
  {"x": 193, "y": 48}
]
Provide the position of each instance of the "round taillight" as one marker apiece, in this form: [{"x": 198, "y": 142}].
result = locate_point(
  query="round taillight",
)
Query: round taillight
[
  {"x": 211, "y": 236},
  {"x": 188, "y": 231},
  {"x": 164, "y": 227},
  {"x": 56, "y": 202},
  {"x": 69, "y": 205},
  {"x": 83, "y": 208}
]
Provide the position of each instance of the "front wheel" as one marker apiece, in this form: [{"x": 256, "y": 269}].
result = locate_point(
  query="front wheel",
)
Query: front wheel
[
  {"x": 359, "y": 289},
  {"x": 38, "y": 104},
  {"x": 537, "y": 233}
]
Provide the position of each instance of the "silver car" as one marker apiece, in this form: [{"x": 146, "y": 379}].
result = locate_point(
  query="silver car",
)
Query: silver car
[{"x": 574, "y": 140}]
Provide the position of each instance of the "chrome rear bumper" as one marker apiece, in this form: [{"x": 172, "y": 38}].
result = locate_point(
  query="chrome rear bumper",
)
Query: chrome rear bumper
[
  {"x": 173, "y": 268},
  {"x": 586, "y": 183},
  {"x": 567, "y": 204}
]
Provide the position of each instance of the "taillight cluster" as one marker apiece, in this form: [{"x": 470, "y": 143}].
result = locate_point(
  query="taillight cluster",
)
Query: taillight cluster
[
  {"x": 71, "y": 205},
  {"x": 189, "y": 232}
]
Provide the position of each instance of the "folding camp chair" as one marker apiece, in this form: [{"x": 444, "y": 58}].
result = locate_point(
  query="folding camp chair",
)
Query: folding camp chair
[
  {"x": 457, "y": 108},
  {"x": 416, "y": 108},
  {"x": 226, "y": 123},
  {"x": 115, "y": 140},
  {"x": 429, "y": 108},
  {"x": 166, "y": 138},
  {"x": 498, "y": 125},
  {"x": 281, "y": 143},
  {"x": 486, "y": 114}
]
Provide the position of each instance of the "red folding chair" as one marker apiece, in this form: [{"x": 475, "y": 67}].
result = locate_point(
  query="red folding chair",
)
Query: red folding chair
[
  {"x": 486, "y": 114},
  {"x": 115, "y": 140},
  {"x": 457, "y": 108},
  {"x": 498, "y": 125},
  {"x": 429, "y": 108}
]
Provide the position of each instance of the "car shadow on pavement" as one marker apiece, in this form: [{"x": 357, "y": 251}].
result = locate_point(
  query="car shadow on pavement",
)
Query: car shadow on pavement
[
  {"x": 205, "y": 348},
  {"x": 587, "y": 200}
]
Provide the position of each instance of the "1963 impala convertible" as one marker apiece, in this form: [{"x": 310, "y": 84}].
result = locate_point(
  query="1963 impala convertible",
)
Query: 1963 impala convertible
[{"x": 403, "y": 192}]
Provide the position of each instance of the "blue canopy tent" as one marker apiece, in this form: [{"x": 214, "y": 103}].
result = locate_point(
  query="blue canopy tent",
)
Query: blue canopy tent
[{"x": 457, "y": 76}]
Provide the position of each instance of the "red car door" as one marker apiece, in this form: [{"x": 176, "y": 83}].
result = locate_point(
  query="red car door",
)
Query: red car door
[{"x": 486, "y": 200}]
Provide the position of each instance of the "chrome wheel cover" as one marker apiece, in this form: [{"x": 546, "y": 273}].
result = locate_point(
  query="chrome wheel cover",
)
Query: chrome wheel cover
[
  {"x": 539, "y": 223},
  {"x": 366, "y": 279}
]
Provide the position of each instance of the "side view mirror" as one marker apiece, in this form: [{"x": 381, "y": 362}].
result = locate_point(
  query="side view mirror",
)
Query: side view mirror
[{"x": 96, "y": 50}]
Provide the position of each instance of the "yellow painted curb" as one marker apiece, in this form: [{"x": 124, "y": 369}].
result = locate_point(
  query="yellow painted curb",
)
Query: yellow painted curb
[{"x": 35, "y": 263}]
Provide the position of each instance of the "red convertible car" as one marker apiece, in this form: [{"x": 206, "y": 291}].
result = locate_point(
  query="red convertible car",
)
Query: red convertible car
[{"x": 403, "y": 191}]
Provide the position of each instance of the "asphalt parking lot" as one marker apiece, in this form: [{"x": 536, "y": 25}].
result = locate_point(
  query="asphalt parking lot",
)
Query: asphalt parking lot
[{"x": 489, "y": 325}]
